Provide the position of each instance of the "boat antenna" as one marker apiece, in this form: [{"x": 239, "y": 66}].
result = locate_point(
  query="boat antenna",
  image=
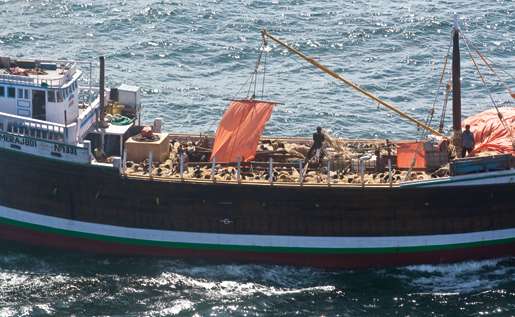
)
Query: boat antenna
[
  {"x": 456, "y": 86},
  {"x": 351, "y": 84}
]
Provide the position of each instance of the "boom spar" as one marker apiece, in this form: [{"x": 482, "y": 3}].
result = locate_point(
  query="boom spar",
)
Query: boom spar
[{"x": 335, "y": 75}]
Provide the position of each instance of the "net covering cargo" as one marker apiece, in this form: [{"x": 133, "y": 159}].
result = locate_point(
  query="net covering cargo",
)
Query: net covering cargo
[
  {"x": 239, "y": 131},
  {"x": 490, "y": 134}
]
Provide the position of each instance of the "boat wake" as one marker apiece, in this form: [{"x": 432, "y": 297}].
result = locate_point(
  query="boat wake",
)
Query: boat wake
[
  {"x": 44, "y": 283},
  {"x": 459, "y": 278}
]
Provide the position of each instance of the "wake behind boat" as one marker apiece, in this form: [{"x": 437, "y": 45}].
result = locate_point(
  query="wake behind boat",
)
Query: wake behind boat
[{"x": 81, "y": 173}]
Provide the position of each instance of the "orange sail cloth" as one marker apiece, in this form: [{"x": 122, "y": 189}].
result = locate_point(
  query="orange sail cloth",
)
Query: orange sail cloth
[
  {"x": 239, "y": 131},
  {"x": 490, "y": 135}
]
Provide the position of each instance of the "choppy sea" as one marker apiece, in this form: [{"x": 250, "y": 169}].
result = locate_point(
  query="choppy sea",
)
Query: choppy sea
[{"x": 190, "y": 58}]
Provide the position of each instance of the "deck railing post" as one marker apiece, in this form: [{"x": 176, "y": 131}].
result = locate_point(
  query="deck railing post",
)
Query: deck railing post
[
  {"x": 213, "y": 163},
  {"x": 362, "y": 171},
  {"x": 238, "y": 171},
  {"x": 270, "y": 171},
  {"x": 390, "y": 178},
  {"x": 301, "y": 173},
  {"x": 181, "y": 165},
  {"x": 328, "y": 173},
  {"x": 150, "y": 162},
  {"x": 124, "y": 161}
]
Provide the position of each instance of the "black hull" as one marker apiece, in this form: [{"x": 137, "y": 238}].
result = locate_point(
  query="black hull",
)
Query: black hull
[{"x": 100, "y": 195}]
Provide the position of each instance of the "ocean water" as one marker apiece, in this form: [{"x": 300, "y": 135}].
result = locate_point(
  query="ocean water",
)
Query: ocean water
[{"x": 190, "y": 58}]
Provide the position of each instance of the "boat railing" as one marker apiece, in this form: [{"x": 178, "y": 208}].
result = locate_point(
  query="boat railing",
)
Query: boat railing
[
  {"x": 33, "y": 128},
  {"x": 38, "y": 81},
  {"x": 270, "y": 173}
]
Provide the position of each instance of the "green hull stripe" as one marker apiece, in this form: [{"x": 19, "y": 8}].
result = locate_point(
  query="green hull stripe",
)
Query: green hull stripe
[{"x": 260, "y": 249}]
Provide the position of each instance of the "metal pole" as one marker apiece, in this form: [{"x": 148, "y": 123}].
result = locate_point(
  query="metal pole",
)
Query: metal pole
[
  {"x": 124, "y": 161},
  {"x": 90, "y": 78},
  {"x": 102, "y": 89},
  {"x": 65, "y": 128}
]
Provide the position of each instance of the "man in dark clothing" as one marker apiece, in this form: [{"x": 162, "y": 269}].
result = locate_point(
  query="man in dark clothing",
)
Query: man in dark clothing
[
  {"x": 316, "y": 148},
  {"x": 468, "y": 142}
]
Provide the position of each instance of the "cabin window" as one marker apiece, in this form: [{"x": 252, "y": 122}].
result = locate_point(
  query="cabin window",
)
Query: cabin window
[
  {"x": 11, "y": 92},
  {"x": 20, "y": 93},
  {"x": 26, "y": 93},
  {"x": 51, "y": 95},
  {"x": 59, "y": 95},
  {"x": 2, "y": 91}
]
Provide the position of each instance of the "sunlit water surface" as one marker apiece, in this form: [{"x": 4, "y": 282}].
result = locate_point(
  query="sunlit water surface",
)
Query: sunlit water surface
[{"x": 190, "y": 57}]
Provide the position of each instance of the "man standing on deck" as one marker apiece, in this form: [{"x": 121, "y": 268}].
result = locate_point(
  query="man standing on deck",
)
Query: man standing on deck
[
  {"x": 468, "y": 142},
  {"x": 316, "y": 148}
]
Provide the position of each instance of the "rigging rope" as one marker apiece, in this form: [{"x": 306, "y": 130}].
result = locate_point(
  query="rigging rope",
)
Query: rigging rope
[
  {"x": 432, "y": 111},
  {"x": 444, "y": 107},
  {"x": 499, "y": 114},
  {"x": 489, "y": 65},
  {"x": 264, "y": 72}
]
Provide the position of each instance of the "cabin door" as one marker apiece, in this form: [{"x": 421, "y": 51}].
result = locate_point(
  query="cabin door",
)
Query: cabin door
[{"x": 38, "y": 104}]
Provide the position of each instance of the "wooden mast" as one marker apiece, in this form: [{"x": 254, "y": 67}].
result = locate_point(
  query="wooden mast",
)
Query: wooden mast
[
  {"x": 351, "y": 84},
  {"x": 456, "y": 86}
]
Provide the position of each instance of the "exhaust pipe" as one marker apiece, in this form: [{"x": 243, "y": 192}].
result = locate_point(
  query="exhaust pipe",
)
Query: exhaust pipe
[{"x": 102, "y": 89}]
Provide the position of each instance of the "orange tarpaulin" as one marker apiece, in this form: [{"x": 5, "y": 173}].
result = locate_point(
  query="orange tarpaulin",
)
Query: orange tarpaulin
[
  {"x": 490, "y": 135},
  {"x": 409, "y": 151},
  {"x": 239, "y": 131}
]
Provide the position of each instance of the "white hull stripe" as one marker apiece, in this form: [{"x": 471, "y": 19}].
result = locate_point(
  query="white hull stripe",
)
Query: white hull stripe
[{"x": 253, "y": 240}]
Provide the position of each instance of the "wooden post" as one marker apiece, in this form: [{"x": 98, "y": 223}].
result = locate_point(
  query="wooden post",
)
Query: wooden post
[
  {"x": 238, "y": 171},
  {"x": 362, "y": 171},
  {"x": 301, "y": 173},
  {"x": 270, "y": 171},
  {"x": 213, "y": 162},
  {"x": 328, "y": 173},
  {"x": 181, "y": 165},
  {"x": 390, "y": 178},
  {"x": 456, "y": 84},
  {"x": 150, "y": 159}
]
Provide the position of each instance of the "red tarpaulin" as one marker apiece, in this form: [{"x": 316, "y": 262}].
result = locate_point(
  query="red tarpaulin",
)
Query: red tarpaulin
[
  {"x": 239, "y": 131},
  {"x": 490, "y": 135}
]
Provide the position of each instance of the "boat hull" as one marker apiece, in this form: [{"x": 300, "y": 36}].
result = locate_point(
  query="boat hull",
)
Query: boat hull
[
  {"x": 329, "y": 252},
  {"x": 93, "y": 208}
]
